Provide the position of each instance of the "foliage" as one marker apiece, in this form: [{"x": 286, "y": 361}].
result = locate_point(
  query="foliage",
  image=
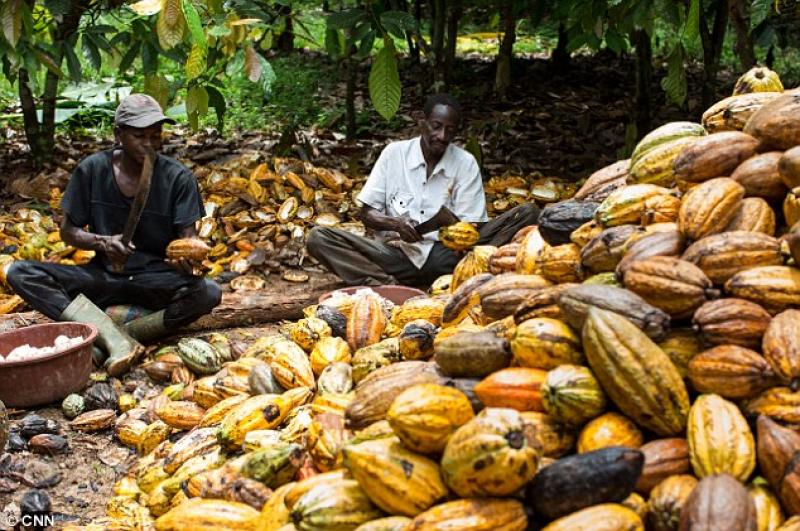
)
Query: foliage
[{"x": 209, "y": 60}]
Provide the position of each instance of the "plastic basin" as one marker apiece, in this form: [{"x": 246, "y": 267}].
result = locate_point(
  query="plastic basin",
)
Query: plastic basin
[
  {"x": 396, "y": 294},
  {"x": 44, "y": 380}
]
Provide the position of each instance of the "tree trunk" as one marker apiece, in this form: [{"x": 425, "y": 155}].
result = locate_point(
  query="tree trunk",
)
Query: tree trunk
[
  {"x": 642, "y": 116},
  {"x": 453, "y": 18},
  {"x": 33, "y": 130},
  {"x": 350, "y": 98},
  {"x": 326, "y": 6},
  {"x": 413, "y": 47},
  {"x": 740, "y": 20},
  {"x": 561, "y": 57},
  {"x": 438, "y": 24},
  {"x": 285, "y": 42},
  {"x": 505, "y": 54},
  {"x": 41, "y": 135},
  {"x": 713, "y": 40}
]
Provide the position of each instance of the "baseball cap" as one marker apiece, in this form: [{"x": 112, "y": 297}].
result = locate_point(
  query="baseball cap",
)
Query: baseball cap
[{"x": 140, "y": 110}]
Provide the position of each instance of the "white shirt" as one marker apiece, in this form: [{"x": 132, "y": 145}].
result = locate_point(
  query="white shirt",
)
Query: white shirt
[{"x": 398, "y": 186}]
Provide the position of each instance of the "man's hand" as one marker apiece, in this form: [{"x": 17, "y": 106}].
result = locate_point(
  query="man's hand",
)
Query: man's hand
[
  {"x": 116, "y": 251},
  {"x": 444, "y": 217},
  {"x": 405, "y": 228},
  {"x": 183, "y": 265}
]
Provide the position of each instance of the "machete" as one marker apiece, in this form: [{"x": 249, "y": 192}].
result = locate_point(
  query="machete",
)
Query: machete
[{"x": 139, "y": 201}]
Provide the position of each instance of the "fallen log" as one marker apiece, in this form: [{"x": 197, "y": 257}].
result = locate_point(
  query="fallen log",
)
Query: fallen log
[{"x": 278, "y": 301}]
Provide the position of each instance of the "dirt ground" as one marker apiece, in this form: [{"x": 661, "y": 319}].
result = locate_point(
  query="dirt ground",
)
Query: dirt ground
[{"x": 79, "y": 482}]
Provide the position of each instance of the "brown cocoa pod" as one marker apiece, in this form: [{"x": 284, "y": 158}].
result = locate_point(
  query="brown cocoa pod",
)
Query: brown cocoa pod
[
  {"x": 603, "y": 182},
  {"x": 776, "y": 447},
  {"x": 676, "y": 286},
  {"x": 604, "y": 251},
  {"x": 719, "y": 502},
  {"x": 662, "y": 458},
  {"x": 48, "y": 444},
  {"x": 721, "y": 256},
  {"x": 760, "y": 177},
  {"x": 182, "y": 375},
  {"x": 789, "y": 167},
  {"x": 248, "y": 491},
  {"x": 776, "y": 124},
  {"x": 732, "y": 322},
  {"x": 781, "y": 346},
  {"x": 713, "y": 156},
  {"x": 576, "y": 301},
  {"x": 542, "y": 303},
  {"x": 709, "y": 207},
  {"x": 754, "y": 215},
  {"x": 668, "y": 243},
  {"x": 781, "y": 404},
  {"x": 97, "y": 420},
  {"x": 504, "y": 259},
  {"x": 667, "y": 500},
  {"x": 731, "y": 372},
  {"x": 159, "y": 371},
  {"x": 789, "y": 490}
]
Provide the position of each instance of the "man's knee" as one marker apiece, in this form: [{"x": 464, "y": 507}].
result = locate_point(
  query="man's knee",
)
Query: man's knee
[
  {"x": 210, "y": 295},
  {"x": 19, "y": 271},
  {"x": 316, "y": 239}
]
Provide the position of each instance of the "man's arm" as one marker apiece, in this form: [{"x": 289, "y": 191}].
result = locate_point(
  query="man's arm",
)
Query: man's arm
[
  {"x": 112, "y": 246},
  {"x": 374, "y": 219}
]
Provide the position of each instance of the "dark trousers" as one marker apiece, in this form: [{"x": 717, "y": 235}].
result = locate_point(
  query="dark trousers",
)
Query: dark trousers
[
  {"x": 361, "y": 261},
  {"x": 49, "y": 288}
]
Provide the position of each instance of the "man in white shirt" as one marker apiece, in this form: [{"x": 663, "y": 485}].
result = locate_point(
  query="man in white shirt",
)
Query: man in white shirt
[{"x": 416, "y": 187}]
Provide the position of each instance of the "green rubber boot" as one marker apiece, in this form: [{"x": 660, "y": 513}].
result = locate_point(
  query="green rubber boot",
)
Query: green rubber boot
[
  {"x": 122, "y": 349},
  {"x": 148, "y": 328}
]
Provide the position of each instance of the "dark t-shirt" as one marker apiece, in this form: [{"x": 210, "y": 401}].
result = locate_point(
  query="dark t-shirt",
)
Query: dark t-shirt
[{"x": 93, "y": 199}]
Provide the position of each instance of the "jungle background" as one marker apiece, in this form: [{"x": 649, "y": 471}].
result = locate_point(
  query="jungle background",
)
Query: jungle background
[{"x": 550, "y": 87}]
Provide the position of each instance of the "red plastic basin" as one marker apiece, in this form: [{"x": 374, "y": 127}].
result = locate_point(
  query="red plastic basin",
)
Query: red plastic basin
[
  {"x": 395, "y": 293},
  {"x": 44, "y": 380}
]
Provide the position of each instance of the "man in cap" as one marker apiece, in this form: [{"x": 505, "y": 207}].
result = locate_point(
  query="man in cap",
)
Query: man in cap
[
  {"x": 96, "y": 204},
  {"x": 416, "y": 187}
]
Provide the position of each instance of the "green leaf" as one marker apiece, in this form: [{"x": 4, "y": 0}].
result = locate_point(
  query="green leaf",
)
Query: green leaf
[
  {"x": 219, "y": 31},
  {"x": 91, "y": 52},
  {"x": 674, "y": 84},
  {"x": 217, "y": 100},
  {"x": 616, "y": 42},
  {"x": 195, "y": 25},
  {"x": 73, "y": 63},
  {"x": 49, "y": 63},
  {"x": 11, "y": 18},
  {"x": 57, "y": 7},
  {"x": 197, "y": 100},
  {"x": 366, "y": 45},
  {"x": 334, "y": 43},
  {"x": 129, "y": 57},
  {"x": 196, "y": 62},
  {"x": 268, "y": 76},
  {"x": 384, "y": 81},
  {"x": 401, "y": 19},
  {"x": 171, "y": 24},
  {"x": 346, "y": 19},
  {"x": 693, "y": 25},
  {"x": 158, "y": 87},
  {"x": 760, "y": 11},
  {"x": 149, "y": 58}
]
